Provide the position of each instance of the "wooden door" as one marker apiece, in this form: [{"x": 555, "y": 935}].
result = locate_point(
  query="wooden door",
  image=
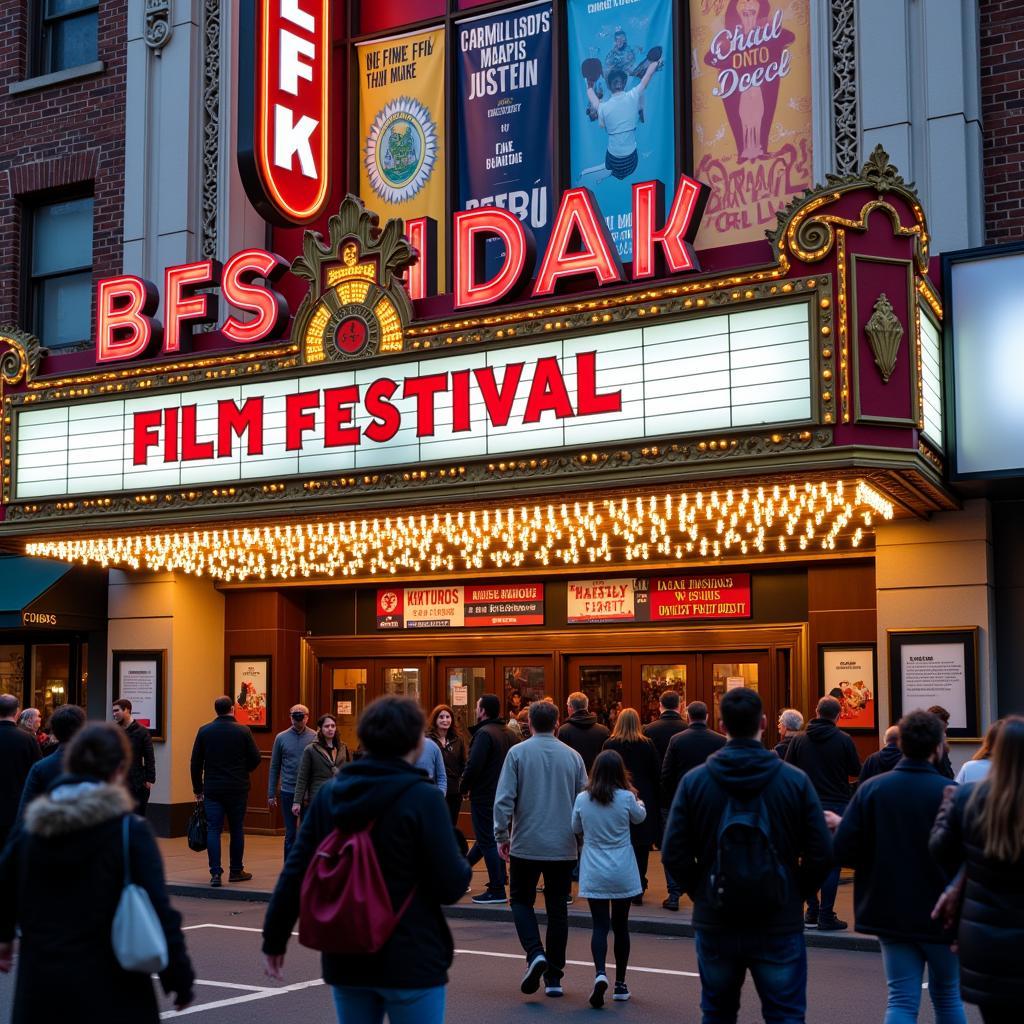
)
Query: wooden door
[
  {"x": 723, "y": 670},
  {"x": 461, "y": 682},
  {"x": 604, "y": 679},
  {"x": 344, "y": 685}
]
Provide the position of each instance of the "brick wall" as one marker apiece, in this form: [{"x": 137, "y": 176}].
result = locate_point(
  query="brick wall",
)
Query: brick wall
[
  {"x": 57, "y": 137},
  {"x": 1002, "y": 107}
]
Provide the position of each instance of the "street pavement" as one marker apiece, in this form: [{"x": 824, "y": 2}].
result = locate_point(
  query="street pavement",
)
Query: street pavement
[{"x": 845, "y": 986}]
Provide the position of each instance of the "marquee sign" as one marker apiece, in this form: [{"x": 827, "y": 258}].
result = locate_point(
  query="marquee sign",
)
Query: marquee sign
[
  {"x": 457, "y": 607},
  {"x": 659, "y": 599}
]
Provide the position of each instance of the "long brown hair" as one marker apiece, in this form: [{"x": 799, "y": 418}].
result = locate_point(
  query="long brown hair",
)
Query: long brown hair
[
  {"x": 627, "y": 727},
  {"x": 985, "y": 750},
  {"x": 608, "y": 774},
  {"x": 321, "y": 738},
  {"x": 454, "y": 730},
  {"x": 1001, "y": 819}
]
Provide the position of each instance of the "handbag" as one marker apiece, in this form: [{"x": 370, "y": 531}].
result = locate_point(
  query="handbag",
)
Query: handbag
[
  {"x": 196, "y": 832},
  {"x": 137, "y": 935}
]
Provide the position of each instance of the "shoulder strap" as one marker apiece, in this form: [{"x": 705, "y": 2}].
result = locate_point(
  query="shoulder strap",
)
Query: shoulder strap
[{"x": 125, "y": 826}]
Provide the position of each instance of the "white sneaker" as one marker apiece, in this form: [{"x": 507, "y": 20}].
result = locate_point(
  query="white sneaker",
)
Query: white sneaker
[
  {"x": 534, "y": 972},
  {"x": 621, "y": 992},
  {"x": 553, "y": 991},
  {"x": 600, "y": 987}
]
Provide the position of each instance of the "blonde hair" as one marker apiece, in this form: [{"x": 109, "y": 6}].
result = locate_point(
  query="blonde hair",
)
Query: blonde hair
[
  {"x": 1001, "y": 819},
  {"x": 627, "y": 726}
]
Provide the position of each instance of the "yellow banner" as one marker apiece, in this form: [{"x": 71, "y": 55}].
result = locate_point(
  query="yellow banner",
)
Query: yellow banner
[
  {"x": 752, "y": 131},
  {"x": 402, "y": 125}
]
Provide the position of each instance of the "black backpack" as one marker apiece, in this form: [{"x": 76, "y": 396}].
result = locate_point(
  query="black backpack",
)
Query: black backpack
[{"x": 747, "y": 880}]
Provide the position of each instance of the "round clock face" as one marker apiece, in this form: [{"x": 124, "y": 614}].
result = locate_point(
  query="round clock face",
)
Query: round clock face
[{"x": 351, "y": 335}]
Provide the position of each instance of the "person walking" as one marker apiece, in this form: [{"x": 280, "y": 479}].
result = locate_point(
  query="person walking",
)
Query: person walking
[
  {"x": 321, "y": 761},
  {"x": 978, "y": 767},
  {"x": 76, "y": 834},
  {"x": 980, "y": 828},
  {"x": 419, "y": 860},
  {"x": 790, "y": 723},
  {"x": 581, "y": 730},
  {"x": 19, "y": 751},
  {"x": 747, "y": 840},
  {"x": 668, "y": 724},
  {"x": 640, "y": 756},
  {"x": 64, "y": 723},
  {"x": 284, "y": 767},
  {"x": 829, "y": 757},
  {"x": 884, "y": 760},
  {"x": 224, "y": 755},
  {"x": 142, "y": 771},
  {"x": 884, "y": 837},
  {"x": 605, "y": 814},
  {"x": 687, "y": 750},
  {"x": 488, "y": 749},
  {"x": 533, "y": 829},
  {"x": 444, "y": 731}
]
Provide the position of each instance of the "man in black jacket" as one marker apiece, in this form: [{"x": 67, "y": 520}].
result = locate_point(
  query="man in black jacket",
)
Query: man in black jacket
[
  {"x": 142, "y": 768},
  {"x": 662, "y": 729},
  {"x": 829, "y": 758},
  {"x": 884, "y": 760},
  {"x": 64, "y": 723},
  {"x": 790, "y": 723},
  {"x": 223, "y": 757},
  {"x": 582, "y": 731},
  {"x": 415, "y": 846},
  {"x": 491, "y": 741},
  {"x": 764, "y": 937},
  {"x": 18, "y": 752}
]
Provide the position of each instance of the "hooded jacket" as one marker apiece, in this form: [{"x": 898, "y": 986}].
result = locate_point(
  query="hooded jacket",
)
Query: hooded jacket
[
  {"x": 582, "y": 732},
  {"x": 62, "y": 877},
  {"x": 881, "y": 761},
  {"x": 744, "y": 770},
  {"x": 416, "y": 849},
  {"x": 491, "y": 742},
  {"x": 829, "y": 757}
]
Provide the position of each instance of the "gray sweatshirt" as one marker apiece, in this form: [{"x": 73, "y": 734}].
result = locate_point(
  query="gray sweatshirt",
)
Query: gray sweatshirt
[
  {"x": 432, "y": 763},
  {"x": 536, "y": 792},
  {"x": 285, "y": 759}
]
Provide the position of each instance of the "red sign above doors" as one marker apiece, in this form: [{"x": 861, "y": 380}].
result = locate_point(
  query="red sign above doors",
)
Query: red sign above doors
[
  {"x": 659, "y": 599},
  {"x": 455, "y": 607}
]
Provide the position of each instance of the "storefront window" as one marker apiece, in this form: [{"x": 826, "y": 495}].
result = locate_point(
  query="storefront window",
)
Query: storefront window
[
  {"x": 403, "y": 682},
  {"x": 603, "y": 685},
  {"x": 654, "y": 681},
  {"x": 464, "y": 687},
  {"x": 523, "y": 685},
  {"x": 348, "y": 697},
  {"x": 728, "y": 676},
  {"x": 51, "y": 677},
  {"x": 12, "y": 669}
]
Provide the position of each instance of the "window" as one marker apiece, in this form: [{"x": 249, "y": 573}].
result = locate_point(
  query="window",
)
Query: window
[
  {"x": 67, "y": 34},
  {"x": 60, "y": 289}
]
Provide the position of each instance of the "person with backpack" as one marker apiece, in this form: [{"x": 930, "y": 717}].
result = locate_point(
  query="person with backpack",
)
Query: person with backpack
[
  {"x": 604, "y": 815},
  {"x": 371, "y": 867},
  {"x": 747, "y": 840}
]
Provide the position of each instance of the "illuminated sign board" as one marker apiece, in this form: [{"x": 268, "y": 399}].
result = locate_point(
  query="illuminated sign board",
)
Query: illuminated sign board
[
  {"x": 658, "y": 599},
  {"x": 457, "y": 607},
  {"x": 724, "y": 371}
]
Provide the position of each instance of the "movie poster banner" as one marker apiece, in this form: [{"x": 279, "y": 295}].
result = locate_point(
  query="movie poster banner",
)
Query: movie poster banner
[
  {"x": 752, "y": 130},
  {"x": 506, "y": 124},
  {"x": 847, "y": 673},
  {"x": 659, "y": 599},
  {"x": 622, "y": 117},
  {"x": 402, "y": 125},
  {"x": 456, "y": 607}
]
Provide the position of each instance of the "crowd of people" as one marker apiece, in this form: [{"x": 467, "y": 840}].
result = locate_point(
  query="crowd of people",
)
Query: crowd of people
[{"x": 754, "y": 836}]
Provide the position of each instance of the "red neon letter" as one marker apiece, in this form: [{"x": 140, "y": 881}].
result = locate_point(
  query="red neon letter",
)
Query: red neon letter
[
  {"x": 299, "y": 417},
  {"x": 588, "y": 401},
  {"x": 337, "y": 412},
  {"x": 386, "y": 418},
  {"x": 234, "y": 420},
  {"x": 238, "y": 289},
  {"x": 547, "y": 392},
  {"x": 144, "y": 435},
  {"x": 179, "y": 306},
  {"x": 423, "y": 390},
  {"x": 171, "y": 434},
  {"x": 498, "y": 401},
  {"x": 460, "y": 401},
  {"x": 191, "y": 449},
  {"x": 421, "y": 277},
  {"x": 124, "y": 325},
  {"x": 676, "y": 237},
  {"x": 471, "y": 227},
  {"x": 578, "y": 212}
]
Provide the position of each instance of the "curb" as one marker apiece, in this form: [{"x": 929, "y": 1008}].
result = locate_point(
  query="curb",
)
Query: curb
[{"x": 849, "y": 941}]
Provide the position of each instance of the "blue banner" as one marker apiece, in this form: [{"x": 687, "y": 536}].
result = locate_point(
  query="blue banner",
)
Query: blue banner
[
  {"x": 622, "y": 123},
  {"x": 506, "y": 123}
]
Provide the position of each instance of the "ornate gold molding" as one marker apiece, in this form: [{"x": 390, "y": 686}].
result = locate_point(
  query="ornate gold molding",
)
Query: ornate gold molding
[{"x": 884, "y": 332}]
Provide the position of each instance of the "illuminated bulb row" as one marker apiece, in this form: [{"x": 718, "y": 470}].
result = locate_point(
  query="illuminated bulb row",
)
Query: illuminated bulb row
[{"x": 616, "y": 532}]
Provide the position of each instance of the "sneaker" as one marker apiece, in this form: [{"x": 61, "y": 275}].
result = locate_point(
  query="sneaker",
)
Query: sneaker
[
  {"x": 490, "y": 897},
  {"x": 811, "y": 919},
  {"x": 671, "y": 903},
  {"x": 830, "y": 923},
  {"x": 214, "y": 881},
  {"x": 621, "y": 992},
  {"x": 600, "y": 987},
  {"x": 239, "y": 876},
  {"x": 534, "y": 972},
  {"x": 553, "y": 991}
]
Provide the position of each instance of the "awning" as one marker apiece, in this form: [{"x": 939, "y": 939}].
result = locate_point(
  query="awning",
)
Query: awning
[{"x": 37, "y": 593}]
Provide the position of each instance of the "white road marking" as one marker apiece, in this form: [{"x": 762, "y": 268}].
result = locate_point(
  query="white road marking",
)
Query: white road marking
[
  {"x": 582, "y": 963},
  {"x": 250, "y": 997},
  {"x": 233, "y": 984}
]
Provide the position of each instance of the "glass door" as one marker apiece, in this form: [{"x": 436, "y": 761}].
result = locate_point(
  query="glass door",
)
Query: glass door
[
  {"x": 657, "y": 673},
  {"x": 343, "y": 694},
  {"x": 522, "y": 679},
  {"x": 601, "y": 678},
  {"x": 404, "y": 678},
  {"x": 463, "y": 682},
  {"x": 726, "y": 670}
]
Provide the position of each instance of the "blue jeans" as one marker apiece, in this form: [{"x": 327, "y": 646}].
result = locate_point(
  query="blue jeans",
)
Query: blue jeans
[
  {"x": 402, "y": 1005},
  {"x": 482, "y": 816},
  {"x": 291, "y": 822},
  {"x": 904, "y": 967},
  {"x": 219, "y": 807},
  {"x": 777, "y": 963}
]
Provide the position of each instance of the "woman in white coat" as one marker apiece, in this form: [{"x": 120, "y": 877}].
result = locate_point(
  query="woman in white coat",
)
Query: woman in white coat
[{"x": 609, "y": 877}]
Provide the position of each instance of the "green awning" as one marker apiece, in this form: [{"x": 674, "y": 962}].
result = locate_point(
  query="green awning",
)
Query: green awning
[{"x": 37, "y": 593}]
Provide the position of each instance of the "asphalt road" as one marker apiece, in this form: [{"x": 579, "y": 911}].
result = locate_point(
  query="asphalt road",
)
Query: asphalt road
[{"x": 223, "y": 939}]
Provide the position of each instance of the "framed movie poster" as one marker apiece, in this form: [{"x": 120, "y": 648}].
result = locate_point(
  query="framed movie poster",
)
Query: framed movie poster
[
  {"x": 250, "y": 690},
  {"x": 847, "y": 672},
  {"x": 929, "y": 667},
  {"x": 139, "y": 677}
]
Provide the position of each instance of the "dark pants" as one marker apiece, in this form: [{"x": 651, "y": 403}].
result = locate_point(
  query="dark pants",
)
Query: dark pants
[
  {"x": 454, "y": 801},
  {"x": 482, "y": 816},
  {"x": 829, "y": 888},
  {"x": 291, "y": 821},
  {"x": 671, "y": 884},
  {"x": 992, "y": 1014},
  {"x": 525, "y": 874},
  {"x": 613, "y": 915},
  {"x": 642, "y": 853},
  {"x": 777, "y": 964},
  {"x": 218, "y": 807},
  {"x": 141, "y": 800}
]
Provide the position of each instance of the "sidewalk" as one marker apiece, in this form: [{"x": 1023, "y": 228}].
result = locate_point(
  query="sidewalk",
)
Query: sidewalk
[{"x": 187, "y": 875}]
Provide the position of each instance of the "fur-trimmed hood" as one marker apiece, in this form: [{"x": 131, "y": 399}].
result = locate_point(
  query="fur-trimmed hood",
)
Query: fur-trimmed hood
[{"x": 76, "y": 804}]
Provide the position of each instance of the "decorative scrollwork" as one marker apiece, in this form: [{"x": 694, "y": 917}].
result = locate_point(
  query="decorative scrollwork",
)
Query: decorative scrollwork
[
  {"x": 844, "y": 87},
  {"x": 159, "y": 25},
  {"x": 814, "y": 236},
  {"x": 211, "y": 127},
  {"x": 20, "y": 354}
]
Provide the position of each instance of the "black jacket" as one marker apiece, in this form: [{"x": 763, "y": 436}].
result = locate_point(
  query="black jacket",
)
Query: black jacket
[
  {"x": 492, "y": 740},
  {"x": 42, "y": 776},
  {"x": 829, "y": 757},
  {"x": 783, "y": 745},
  {"x": 884, "y": 838},
  {"x": 453, "y": 753},
  {"x": 991, "y": 934},
  {"x": 641, "y": 758},
  {"x": 79, "y": 841},
  {"x": 416, "y": 848},
  {"x": 223, "y": 756},
  {"x": 582, "y": 732},
  {"x": 743, "y": 769},
  {"x": 685, "y": 751},
  {"x": 663, "y": 729},
  {"x": 142, "y": 768},
  {"x": 18, "y": 752},
  {"x": 881, "y": 761}
]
